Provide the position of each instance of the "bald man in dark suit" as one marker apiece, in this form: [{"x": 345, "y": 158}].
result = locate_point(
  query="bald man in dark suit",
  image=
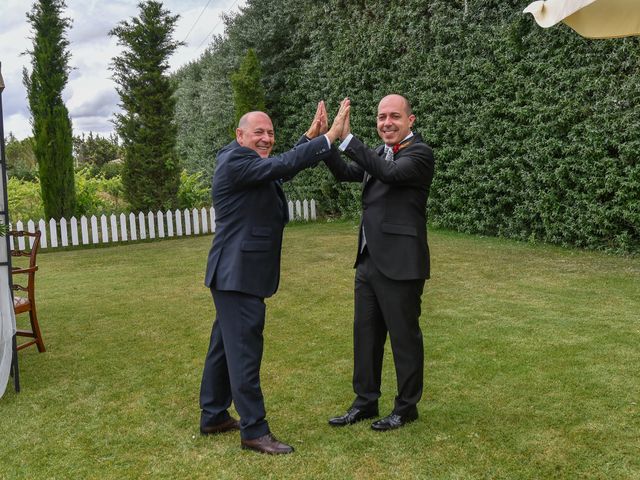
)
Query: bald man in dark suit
[
  {"x": 243, "y": 268},
  {"x": 392, "y": 261}
]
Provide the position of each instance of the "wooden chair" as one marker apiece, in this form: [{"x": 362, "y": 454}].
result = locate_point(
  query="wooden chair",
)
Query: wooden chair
[{"x": 24, "y": 280}]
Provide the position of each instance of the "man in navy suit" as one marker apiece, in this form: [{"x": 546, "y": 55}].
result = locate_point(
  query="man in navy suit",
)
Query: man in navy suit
[
  {"x": 392, "y": 261},
  {"x": 243, "y": 268}
]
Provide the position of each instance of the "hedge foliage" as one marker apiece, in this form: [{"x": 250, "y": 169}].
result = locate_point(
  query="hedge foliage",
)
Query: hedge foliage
[{"x": 536, "y": 132}]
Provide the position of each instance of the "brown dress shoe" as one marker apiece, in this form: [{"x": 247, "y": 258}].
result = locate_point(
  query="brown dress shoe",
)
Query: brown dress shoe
[
  {"x": 266, "y": 444},
  {"x": 225, "y": 426}
]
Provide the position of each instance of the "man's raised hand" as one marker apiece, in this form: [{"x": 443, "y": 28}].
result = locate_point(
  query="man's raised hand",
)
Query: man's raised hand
[
  {"x": 319, "y": 122},
  {"x": 340, "y": 122}
]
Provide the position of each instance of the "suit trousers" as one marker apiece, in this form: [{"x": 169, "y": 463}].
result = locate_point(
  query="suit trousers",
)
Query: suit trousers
[
  {"x": 384, "y": 305},
  {"x": 232, "y": 366}
]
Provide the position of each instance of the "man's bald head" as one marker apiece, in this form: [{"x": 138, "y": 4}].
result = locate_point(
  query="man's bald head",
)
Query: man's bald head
[
  {"x": 252, "y": 116},
  {"x": 398, "y": 99},
  {"x": 255, "y": 131}
]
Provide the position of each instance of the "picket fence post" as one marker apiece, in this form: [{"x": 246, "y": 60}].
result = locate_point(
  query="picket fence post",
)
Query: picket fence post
[
  {"x": 42, "y": 226},
  {"x": 31, "y": 227},
  {"x": 187, "y": 223},
  {"x": 64, "y": 237},
  {"x": 124, "y": 235},
  {"x": 169, "y": 216},
  {"x": 132, "y": 227},
  {"x": 73, "y": 224},
  {"x": 203, "y": 215},
  {"x": 196, "y": 222},
  {"x": 160, "y": 218},
  {"x": 104, "y": 232},
  {"x": 151, "y": 225},
  {"x": 298, "y": 210},
  {"x": 85, "y": 230},
  {"x": 94, "y": 230},
  {"x": 21, "y": 244}
]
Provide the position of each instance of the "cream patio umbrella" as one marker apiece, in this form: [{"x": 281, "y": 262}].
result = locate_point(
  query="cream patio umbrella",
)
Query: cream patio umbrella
[{"x": 590, "y": 18}]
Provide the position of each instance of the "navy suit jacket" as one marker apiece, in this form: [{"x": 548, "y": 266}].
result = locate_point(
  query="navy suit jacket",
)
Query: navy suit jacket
[
  {"x": 251, "y": 212},
  {"x": 394, "y": 204}
]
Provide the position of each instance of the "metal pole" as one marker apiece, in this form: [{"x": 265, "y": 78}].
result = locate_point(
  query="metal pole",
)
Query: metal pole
[{"x": 5, "y": 216}]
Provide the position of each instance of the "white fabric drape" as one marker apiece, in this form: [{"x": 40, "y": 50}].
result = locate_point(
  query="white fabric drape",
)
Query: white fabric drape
[
  {"x": 7, "y": 317},
  {"x": 7, "y": 323}
]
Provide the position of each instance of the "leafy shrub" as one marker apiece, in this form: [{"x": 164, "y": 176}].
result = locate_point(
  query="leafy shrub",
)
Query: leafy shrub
[
  {"x": 25, "y": 202},
  {"x": 98, "y": 195},
  {"x": 94, "y": 196},
  {"x": 112, "y": 169},
  {"x": 21, "y": 161},
  {"x": 194, "y": 191}
]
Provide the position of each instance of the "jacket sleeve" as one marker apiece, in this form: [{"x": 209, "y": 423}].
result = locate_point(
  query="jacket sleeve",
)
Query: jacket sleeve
[
  {"x": 301, "y": 141},
  {"x": 413, "y": 166},
  {"x": 247, "y": 168},
  {"x": 343, "y": 171}
]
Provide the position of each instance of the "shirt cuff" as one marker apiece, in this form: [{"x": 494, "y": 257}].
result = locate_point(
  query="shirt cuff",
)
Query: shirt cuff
[
  {"x": 345, "y": 143},
  {"x": 327, "y": 139}
]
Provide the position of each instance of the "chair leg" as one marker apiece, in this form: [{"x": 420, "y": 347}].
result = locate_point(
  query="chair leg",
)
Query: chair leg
[
  {"x": 35, "y": 327},
  {"x": 15, "y": 370}
]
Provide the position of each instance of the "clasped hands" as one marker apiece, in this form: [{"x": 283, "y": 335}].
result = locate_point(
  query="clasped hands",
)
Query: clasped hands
[{"x": 340, "y": 128}]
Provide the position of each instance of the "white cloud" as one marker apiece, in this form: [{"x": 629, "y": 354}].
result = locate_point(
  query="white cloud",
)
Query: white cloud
[
  {"x": 90, "y": 95},
  {"x": 17, "y": 124}
]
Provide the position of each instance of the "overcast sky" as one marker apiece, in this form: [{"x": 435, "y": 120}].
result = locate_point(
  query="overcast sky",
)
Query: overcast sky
[{"x": 90, "y": 95}]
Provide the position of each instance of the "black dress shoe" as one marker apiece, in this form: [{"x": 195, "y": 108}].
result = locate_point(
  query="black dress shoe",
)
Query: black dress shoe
[
  {"x": 224, "y": 426},
  {"x": 393, "y": 421},
  {"x": 266, "y": 444},
  {"x": 352, "y": 416}
]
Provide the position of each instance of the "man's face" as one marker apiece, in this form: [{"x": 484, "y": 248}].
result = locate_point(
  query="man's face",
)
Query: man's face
[
  {"x": 257, "y": 134},
  {"x": 394, "y": 123}
]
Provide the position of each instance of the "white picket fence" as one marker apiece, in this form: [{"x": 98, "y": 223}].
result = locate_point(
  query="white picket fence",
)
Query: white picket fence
[{"x": 141, "y": 226}]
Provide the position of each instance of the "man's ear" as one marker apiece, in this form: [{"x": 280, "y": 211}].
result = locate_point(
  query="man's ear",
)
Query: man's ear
[
  {"x": 239, "y": 136},
  {"x": 412, "y": 118}
]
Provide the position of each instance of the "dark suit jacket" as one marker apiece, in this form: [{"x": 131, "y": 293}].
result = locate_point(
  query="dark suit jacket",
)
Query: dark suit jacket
[
  {"x": 394, "y": 202},
  {"x": 251, "y": 212}
]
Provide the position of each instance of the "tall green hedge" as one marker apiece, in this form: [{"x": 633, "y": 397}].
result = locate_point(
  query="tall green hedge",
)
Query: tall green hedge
[{"x": 536, "y": 132}]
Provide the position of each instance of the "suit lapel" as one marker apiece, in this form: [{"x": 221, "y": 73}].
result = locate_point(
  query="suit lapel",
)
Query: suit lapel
[{"x": 367, "y": 177}]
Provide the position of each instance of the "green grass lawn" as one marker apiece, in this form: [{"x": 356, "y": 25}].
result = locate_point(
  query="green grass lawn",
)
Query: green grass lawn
[{"x": 532, "y": 367}]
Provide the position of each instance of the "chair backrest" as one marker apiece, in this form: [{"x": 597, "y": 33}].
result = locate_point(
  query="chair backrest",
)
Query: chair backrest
[{"x": 30, "y": 251}]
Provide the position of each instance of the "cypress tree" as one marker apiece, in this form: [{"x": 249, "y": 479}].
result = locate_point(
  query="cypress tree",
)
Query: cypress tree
[
  {"x": 151, "y": 173},
  {"x": 248, "y": 92},
  {"x": 52, "y": 130}
]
